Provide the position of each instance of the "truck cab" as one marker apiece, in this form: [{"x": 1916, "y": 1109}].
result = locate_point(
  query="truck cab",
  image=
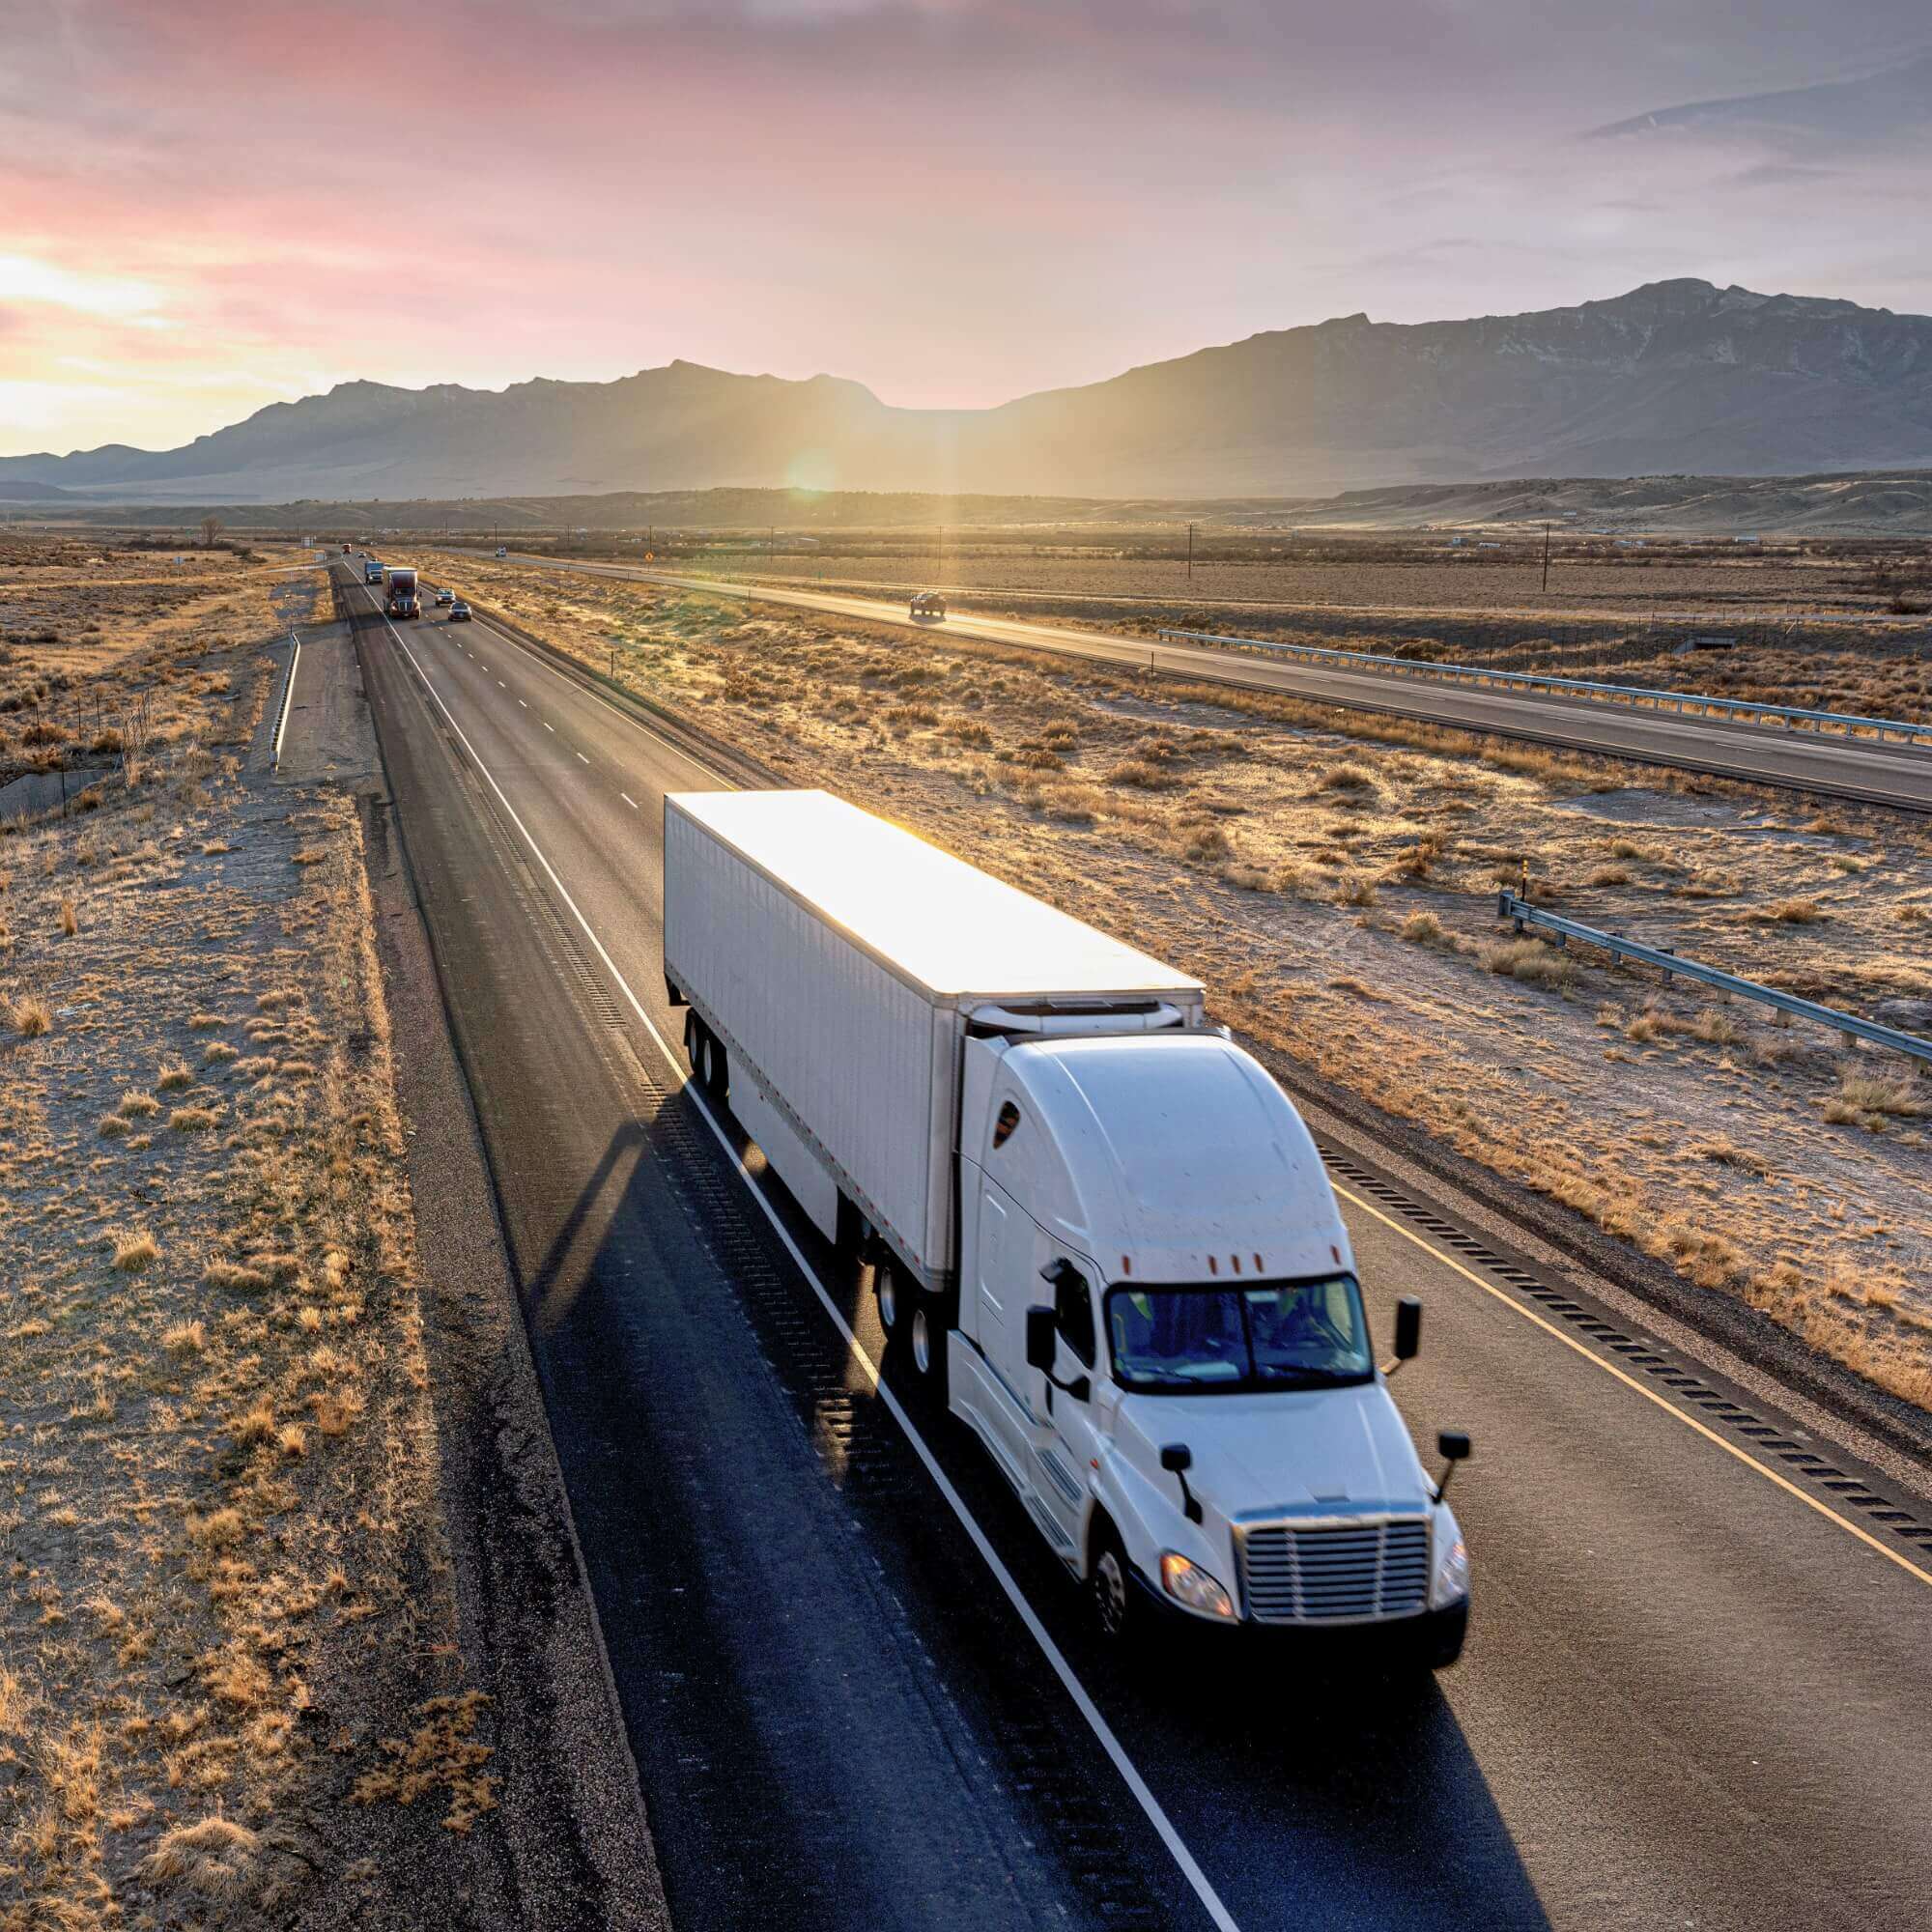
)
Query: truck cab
[{"x": 1161, "y": 1341}]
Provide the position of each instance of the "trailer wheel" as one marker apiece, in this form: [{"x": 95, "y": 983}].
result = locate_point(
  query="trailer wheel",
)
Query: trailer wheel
[{"x": 890, "y": 1297}]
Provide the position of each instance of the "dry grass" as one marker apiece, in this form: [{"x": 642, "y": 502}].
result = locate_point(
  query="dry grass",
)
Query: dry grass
[{"x": 210, "y": 1531}]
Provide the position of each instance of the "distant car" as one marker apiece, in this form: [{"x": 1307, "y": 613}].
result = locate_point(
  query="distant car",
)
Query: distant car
[
  {"x": 459, "y": 611},
  {"x": 502, "y": 550},
  {"x": 446, "y": 597},
  {"x": 927, "y": 604}
]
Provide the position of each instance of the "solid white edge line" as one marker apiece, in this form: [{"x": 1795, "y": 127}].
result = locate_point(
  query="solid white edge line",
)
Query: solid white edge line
[
  {"x": 1158, "y": 1817},
  {"x": 1691, "y": 1422}
]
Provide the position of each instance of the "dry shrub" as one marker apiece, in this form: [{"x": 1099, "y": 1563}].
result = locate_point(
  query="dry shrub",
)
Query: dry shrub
[
  {"x": 184, "y": 1338},
  {"x": 1869, "y": 1100},
  {"x": 30, "y": 1017},
  {"x": 1424, "y": 929},
  {"x": 1724, "y": 1152},
  {"x": 216, "y": 1859},
  {"x": 1709, "y": 1259},
  {"x": 1532, "y": 962},
  {"x": 134, "y": 1103},
  {"x": 192, "y": 1119},
  {"x": 1348, "y": 776},
  {"x": 1357, "y": 890},
  {"x": 174, "y": 1076},
  {"x": 1137, "y": 772},
  {"x": 1797, "y": 911},
  {"x": 233, "y": 1275},
  {"x": 134, "y": 1251},
  {"x": 70, "y": 918},
  {"x": 219, "y": 1529},
  {"x": 1717, "y": 1027},
  {"x": 112, "y": 1127},
  {"x": 443, "y": 1752}
]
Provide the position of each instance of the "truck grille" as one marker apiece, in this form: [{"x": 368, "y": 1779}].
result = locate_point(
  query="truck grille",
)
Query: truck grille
[{"x": 1344, "y": 1573}]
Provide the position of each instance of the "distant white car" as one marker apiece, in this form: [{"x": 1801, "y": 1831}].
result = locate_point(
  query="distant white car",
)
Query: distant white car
[
  {"x": 502, "y": 550},
  {"x": 459, "y": 612},
  {"x": 446, "y": 597}
]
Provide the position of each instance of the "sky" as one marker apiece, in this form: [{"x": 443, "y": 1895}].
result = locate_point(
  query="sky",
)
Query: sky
[{"x": 208, "y": 206}]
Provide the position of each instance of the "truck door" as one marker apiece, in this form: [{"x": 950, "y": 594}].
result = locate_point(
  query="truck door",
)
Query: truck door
[
  {"x": 1005, "y": 1264},
  {"x": 1070, "y": 1445}
]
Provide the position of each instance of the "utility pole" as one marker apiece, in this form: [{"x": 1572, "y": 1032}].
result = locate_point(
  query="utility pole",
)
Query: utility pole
[
  {"x": 1545, "y": 556},
  {"x": 1190, "y": 552}
]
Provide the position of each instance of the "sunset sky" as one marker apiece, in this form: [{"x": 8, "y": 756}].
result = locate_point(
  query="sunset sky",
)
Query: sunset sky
[{"x": 209, "y": 207}]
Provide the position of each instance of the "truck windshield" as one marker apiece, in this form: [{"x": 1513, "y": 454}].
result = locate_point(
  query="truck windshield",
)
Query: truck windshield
[{"x": 1272, "y": 1335}]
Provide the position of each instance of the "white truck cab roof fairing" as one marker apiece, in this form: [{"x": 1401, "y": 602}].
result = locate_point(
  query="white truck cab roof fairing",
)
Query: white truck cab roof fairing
[{"x": 1174, "y": 1158}]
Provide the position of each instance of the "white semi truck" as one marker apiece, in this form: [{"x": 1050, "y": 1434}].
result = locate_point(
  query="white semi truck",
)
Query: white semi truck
[{"x": 1093, "y": 1222}]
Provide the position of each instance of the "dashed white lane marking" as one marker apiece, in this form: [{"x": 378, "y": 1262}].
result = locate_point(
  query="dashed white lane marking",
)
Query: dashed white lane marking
[
  {"x": 628, "y": 800},
  {"x": 582, "y": 759},
  {"x": 521, "y": 703},
  {"x": 548, "y": 725}
]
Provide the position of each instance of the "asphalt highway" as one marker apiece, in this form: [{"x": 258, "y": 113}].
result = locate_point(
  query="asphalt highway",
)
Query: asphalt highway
[
  {"x": 1695, "y": 1688},
  {"x": 1863, "y": 768}
]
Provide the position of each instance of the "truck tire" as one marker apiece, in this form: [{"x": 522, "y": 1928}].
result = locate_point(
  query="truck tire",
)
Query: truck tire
[
  {"x": 709, "y": 1066},
  {"x": 892, "y": 1295},
  {"x": 925, "y": 1339},
  {"x": 1111, "y": 1586},
  {"x": 717, "y": 1067}
]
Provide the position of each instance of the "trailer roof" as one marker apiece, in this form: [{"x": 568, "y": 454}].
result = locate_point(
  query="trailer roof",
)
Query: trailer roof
[{"x": 938, "y": 920}]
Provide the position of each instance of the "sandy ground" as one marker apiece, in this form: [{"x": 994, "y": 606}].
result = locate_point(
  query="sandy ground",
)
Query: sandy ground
[
  {"x": 234, "y": 1687},
  {"x": 1335, "y": 886}
]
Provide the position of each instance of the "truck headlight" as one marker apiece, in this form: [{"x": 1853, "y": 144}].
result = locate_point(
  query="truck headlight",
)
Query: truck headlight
[
  {"x": 1188, "y": 1584},
  {"x": 1452, "y": 1572}
]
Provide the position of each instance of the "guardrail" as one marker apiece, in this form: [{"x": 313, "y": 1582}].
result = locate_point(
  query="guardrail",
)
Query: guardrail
[
  {"x": 282, "y": 709},
  {"x": 1687, "y": 703},
  {"x": 1520, "y": 912}
]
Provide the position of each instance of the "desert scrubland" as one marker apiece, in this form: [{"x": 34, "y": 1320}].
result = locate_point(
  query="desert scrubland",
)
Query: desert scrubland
[
  {"x": 1333, "y": 879},
  {"x": 229, "y": 1680}
]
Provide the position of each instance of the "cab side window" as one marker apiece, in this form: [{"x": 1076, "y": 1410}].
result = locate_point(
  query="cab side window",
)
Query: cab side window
[
  {"x": 1074, "y": 1312},
  {"x": 1003, "y": 1124}
]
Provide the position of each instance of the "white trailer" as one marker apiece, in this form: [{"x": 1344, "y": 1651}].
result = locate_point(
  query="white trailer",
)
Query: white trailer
[{"x": 1092, "y": 1221}]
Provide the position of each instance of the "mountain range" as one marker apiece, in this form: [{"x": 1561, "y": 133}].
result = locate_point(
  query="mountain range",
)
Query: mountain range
[{"x": 1674, "y": 377}]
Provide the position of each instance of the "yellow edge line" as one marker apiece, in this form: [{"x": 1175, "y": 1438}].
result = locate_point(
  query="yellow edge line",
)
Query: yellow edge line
[{"x": 1630, "y": 1382}]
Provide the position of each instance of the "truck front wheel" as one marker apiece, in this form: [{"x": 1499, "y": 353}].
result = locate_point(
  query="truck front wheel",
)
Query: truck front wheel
[
  {"x": 926, "y": 1327},
  {"x": 1111, "y": 1584}
]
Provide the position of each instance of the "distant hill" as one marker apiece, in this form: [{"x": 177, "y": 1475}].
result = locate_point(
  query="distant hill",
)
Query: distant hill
[
  {"x": 1676, "y": 376},
  {"x": 18, "y": 489},
  {"x": 1894, "y": 503}
]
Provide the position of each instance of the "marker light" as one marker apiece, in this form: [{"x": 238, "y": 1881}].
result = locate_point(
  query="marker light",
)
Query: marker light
[{"x": 1189, "y": 1584}]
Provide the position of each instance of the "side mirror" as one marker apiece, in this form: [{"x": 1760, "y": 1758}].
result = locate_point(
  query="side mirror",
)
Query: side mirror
[
  {"x": 1408, "y": 1333},
  {"x": 1176, "y": 1459},
  {"x": 1453, "y": 1446},
  {"x": 1042, "y": 1339}
]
